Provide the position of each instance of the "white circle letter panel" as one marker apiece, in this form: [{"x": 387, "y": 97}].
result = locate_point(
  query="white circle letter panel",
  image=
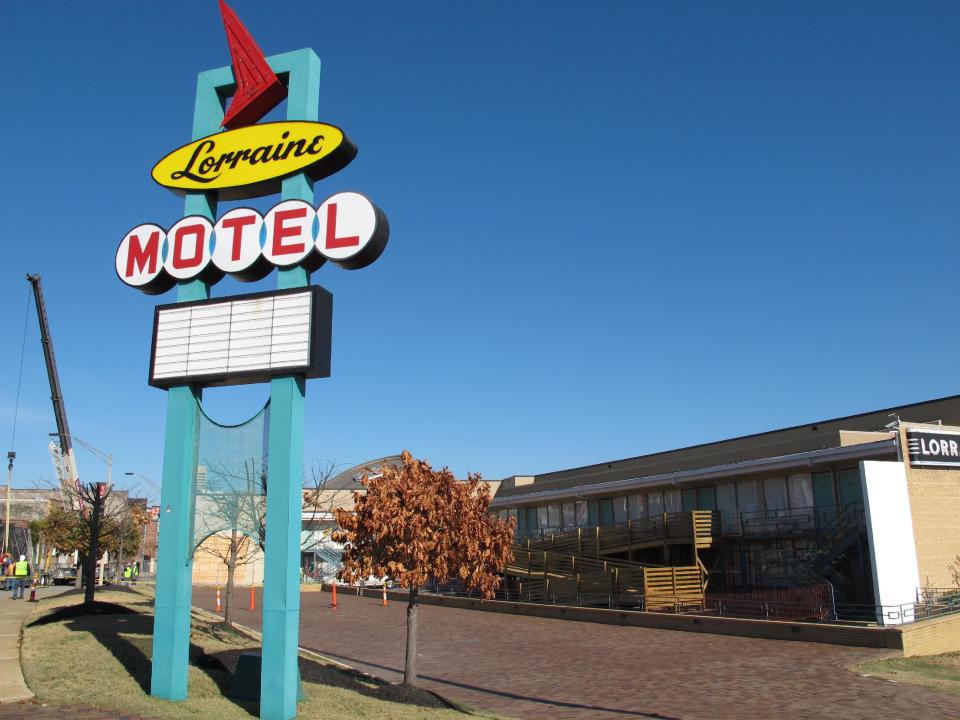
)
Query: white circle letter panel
[
  {"x": 140, "y": 255},
  {"x": 237, "y": 245},
  {"x": 347, "y": 223},
  {"x": 289, "y": 236}
]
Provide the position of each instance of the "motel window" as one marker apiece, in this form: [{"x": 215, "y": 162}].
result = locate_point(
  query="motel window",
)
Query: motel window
[
  {"x": 637, "y": 507},
  {"x": 542, "y": 517},
  {"x": 801, "y": 491},
  {"x": 593, "y": 513},
  {"x": 775, "y": 493},
  {"x": 553, "y": 516},
  {"x": 748, "y": 496},
  {"x": 689, "y": 500},
  {"x": 569, "y": 516},
  {"x": 580, "y": 507},
  {"x": 672, "y": 501},
  {"x": 512, "y": 514},
  {"x": 620, "y": 509},
  {"x": 655, "y": 503}
]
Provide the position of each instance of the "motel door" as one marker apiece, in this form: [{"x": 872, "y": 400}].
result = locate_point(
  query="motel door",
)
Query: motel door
[
  {"x": 606, "y": 511},
  {"x": 851, "y": 491},
  {"x": 823, "y": 498}
]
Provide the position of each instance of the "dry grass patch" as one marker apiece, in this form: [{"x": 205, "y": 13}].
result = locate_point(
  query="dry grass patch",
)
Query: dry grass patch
[
  {"x": 102, "y": 659},
  {"x": 941, "y": 672}
]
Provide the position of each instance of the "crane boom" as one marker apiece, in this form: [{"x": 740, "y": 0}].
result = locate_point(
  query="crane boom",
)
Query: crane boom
[{"x": 56, "y": 394}]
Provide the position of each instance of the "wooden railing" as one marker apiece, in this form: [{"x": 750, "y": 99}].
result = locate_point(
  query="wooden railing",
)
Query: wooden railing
[
  {"x": 662, "y": 587},
  {"x": 673, "y": 588},
  {"x": 699, "y": 527}
]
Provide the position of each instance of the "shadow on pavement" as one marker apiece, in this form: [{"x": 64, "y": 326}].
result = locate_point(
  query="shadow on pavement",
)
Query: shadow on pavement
[{"x": 506, "y": 694}]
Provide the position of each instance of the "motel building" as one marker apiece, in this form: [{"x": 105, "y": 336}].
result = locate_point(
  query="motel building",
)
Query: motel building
[{"x": 855, "y": 518}]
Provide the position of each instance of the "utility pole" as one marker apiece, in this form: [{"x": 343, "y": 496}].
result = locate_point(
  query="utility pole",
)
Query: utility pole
[{"x": 6, "y": 524}]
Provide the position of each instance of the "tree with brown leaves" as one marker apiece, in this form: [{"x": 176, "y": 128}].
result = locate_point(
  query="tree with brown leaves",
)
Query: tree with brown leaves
[{"x": 415, "y": 523}]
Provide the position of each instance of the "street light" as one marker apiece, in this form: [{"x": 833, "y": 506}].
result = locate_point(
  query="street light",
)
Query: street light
[{"x": 145, "y": 479}]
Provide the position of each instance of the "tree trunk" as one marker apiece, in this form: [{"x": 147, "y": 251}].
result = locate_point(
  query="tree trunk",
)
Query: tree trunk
[
  {"x": 91, "y": 589},
  {"x": 231, "y": 571},
  {"x": 81, "y": 564},
  {"x": 410, "y": 666}
]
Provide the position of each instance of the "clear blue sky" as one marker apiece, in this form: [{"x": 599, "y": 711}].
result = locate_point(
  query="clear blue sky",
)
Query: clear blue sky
[{"x": 616, "y": 227}]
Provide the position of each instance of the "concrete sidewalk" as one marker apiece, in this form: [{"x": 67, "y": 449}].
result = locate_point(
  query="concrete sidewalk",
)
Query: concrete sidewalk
[
  {"x": 15, "y": 696},
  {"x": 12, "y": 615}
]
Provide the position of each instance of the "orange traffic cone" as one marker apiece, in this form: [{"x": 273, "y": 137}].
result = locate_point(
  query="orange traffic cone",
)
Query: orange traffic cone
[
  {"x": 384, "y": 594},
  {"x": 218, "y": 599},
  {"x": 33, "y": 593},
  {"x": 333, "y": 604}
]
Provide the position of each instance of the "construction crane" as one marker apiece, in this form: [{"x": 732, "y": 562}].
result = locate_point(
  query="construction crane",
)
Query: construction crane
[{"x": 64, "y": 461}]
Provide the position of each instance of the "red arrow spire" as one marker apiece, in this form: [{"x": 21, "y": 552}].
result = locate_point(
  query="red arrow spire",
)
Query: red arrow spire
[{"x": 259, "y": 90}]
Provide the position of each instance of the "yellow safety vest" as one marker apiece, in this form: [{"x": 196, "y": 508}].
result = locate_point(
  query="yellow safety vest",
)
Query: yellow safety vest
[
  {"x": 21, "y": 569},
  {"x": 127, "y": 573}
]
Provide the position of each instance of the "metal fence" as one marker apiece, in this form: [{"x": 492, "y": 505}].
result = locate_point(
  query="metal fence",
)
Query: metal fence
[{"x": 812, "y": 603}]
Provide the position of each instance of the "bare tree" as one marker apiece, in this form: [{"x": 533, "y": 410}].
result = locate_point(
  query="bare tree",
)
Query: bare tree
[
  {"x": 319, "y": 502},
  {"x": 89, "y": 519},
  {"x": 231, "y": 516}
]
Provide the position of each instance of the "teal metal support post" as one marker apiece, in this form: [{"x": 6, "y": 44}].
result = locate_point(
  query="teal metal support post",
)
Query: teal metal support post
[
  {"x": 281, "y": 605},
  {"x": 171, "y": 619},
  {"x": 279, "y": 677}
]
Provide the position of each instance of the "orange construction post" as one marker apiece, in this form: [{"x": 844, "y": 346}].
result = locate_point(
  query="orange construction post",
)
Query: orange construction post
[
  {"x": 218, "y": 598},
  {"x": 334, "y": 590},
  {"x": 253, "y": 602},
  {"x": 384, "y": 594}
]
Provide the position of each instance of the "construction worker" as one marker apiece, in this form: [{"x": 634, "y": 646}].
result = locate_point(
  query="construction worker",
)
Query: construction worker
[
  {"x": 136, "y": 571},
  {"x": 127, "y": 574},
  {"x": 21, "y": 576}
]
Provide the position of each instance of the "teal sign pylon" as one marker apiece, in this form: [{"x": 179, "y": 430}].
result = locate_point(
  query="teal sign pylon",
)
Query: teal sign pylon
[{"x": 300, "y": 70}]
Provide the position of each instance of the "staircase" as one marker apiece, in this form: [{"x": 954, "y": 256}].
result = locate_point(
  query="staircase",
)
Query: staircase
[
  {"x": 818, "y": 562},
  {"x": 576, "y": 565}
]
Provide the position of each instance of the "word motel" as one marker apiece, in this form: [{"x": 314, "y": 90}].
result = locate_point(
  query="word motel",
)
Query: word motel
[{"x": 346, "y": 229}]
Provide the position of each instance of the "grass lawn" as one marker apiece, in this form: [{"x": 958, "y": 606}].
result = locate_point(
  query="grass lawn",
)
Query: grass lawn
[
  {"x": 941, "y": 672},
  {"x": 103, "y": 659}
]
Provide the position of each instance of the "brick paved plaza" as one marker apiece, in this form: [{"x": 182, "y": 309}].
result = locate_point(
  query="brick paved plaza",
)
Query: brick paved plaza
[{"x": 540, "y": 668}]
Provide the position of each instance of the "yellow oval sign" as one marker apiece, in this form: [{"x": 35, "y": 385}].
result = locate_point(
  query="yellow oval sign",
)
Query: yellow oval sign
[{"x": 251, "y": 161}]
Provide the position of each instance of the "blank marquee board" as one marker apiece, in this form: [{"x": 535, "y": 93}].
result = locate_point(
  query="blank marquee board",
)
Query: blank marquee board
[{"x": 242, "y": 339}]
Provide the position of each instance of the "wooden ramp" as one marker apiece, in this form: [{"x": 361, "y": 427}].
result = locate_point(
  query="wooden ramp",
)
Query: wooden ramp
[
  {"x": 698, "y": 528},
  {"x": 556, "y": 577}
]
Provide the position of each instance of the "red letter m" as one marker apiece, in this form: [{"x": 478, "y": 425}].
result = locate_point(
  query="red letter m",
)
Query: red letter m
[{"x": 138, "y": 255}]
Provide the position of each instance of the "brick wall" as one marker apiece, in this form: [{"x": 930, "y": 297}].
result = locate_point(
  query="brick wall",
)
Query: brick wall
[
  {"x": 932, "y": 637},
  {"x": 935, "y": 507},
  {"x": 209, "y": 569}
]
